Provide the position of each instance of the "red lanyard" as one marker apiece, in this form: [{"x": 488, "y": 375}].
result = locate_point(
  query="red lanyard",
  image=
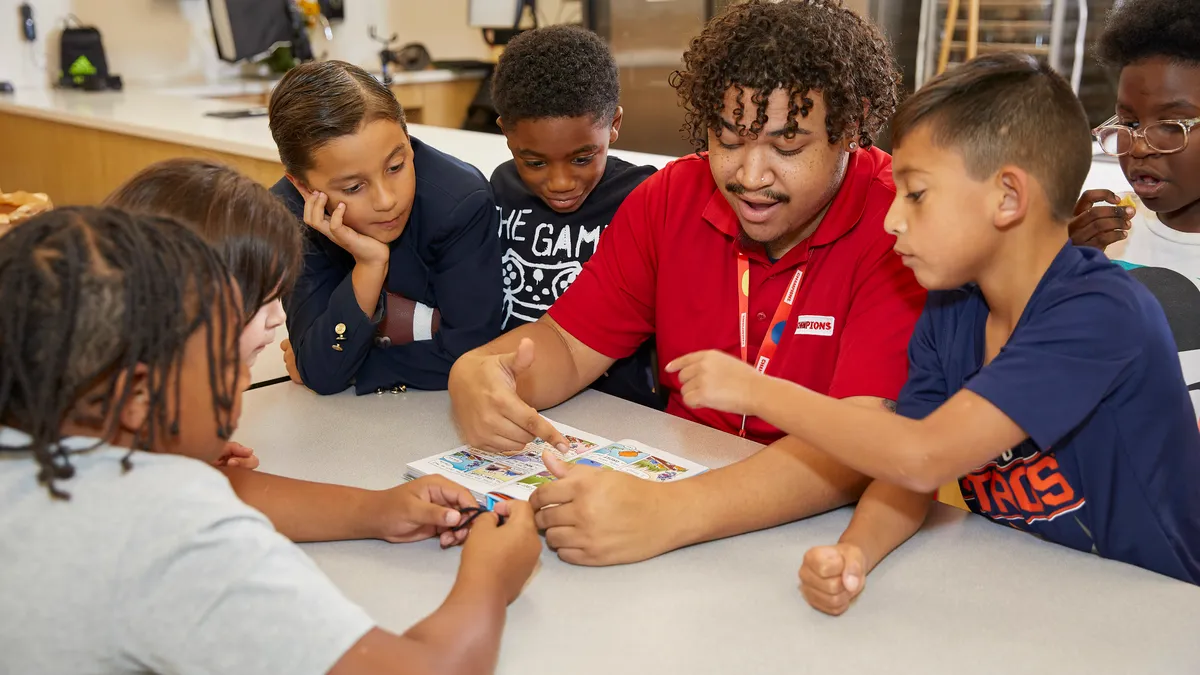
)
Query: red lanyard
[{"x": 778, "y": 322}]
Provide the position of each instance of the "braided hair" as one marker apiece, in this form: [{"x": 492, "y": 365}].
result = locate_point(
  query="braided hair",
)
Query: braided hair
[{"x": 89, "y": 295}]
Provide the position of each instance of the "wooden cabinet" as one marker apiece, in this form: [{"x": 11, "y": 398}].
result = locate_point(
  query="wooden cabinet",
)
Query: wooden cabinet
[{"x": 439, "y": 104}]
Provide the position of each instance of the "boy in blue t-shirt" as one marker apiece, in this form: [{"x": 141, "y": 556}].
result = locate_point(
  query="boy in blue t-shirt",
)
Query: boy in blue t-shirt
[{"x": 1041, "y": 375}]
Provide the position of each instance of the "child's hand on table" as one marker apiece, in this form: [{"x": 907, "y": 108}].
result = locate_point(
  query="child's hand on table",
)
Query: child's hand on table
[
  {"x": 832, "y": 576},
  {"x": 716, "y": 380},
  {"x": 505, "y": 556},
  {"x": 423, "y": 508},
  {"x": 238, "y": 456}
]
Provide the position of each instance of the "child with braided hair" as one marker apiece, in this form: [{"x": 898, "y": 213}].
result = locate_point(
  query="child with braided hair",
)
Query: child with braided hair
[{"x": 119, "y": 369}]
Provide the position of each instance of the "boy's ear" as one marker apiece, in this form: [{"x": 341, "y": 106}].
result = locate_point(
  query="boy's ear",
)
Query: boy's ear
[
  {"x": 616, "y": 125},
  {"x": 500, "y": 123},
  {"x": 1013, "y": 186},
  {"x": 131, "y": 418},
  {"x": 298, "y": 184}
]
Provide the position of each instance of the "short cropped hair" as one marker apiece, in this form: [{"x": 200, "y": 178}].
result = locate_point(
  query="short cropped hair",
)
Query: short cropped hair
[
  {"x": 1007, "y": 108},
  {"x": 557, "y": 71},
  {"x": 1143, "y": 29}
]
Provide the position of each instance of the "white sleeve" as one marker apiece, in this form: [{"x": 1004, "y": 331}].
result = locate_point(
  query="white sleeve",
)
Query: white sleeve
[{"x": 211, "y": 587}]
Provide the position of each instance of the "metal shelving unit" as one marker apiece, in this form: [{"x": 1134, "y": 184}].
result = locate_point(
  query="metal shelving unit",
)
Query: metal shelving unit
[{"x": 1058, "y": 32}]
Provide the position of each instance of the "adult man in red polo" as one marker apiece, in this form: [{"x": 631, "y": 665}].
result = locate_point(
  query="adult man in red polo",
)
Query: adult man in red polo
[{"x": 770, "y": 247}]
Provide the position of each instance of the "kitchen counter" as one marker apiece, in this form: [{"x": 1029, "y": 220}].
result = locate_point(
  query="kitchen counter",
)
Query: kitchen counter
[
  {"x": 77, "y": 146},
  {"x": 237, "y": 86}
]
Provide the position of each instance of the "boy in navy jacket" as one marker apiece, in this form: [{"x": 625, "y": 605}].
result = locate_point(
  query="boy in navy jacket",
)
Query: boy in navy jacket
[{"x": 401, "y": 271}]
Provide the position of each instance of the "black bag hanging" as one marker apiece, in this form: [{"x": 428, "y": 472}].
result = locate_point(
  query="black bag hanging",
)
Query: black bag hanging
[{"x": 82, "y": 61}]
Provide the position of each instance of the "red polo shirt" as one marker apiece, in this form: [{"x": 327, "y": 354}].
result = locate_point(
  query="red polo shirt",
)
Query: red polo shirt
[{"x": 667, "y": 266}]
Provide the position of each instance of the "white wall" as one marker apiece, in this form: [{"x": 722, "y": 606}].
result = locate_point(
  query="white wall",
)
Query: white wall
[
  {"x": 159, "y": 42},
  {"x": 441, "y": 25},
  {"x": 168, "y": 42}
]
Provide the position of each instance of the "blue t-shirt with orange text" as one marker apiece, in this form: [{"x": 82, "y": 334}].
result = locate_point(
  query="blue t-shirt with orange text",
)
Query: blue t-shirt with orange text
[{"x": 1091, "y": 373}]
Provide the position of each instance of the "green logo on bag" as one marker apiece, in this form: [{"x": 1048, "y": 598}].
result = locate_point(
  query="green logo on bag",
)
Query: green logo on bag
[{"x": 81, "y": 68}]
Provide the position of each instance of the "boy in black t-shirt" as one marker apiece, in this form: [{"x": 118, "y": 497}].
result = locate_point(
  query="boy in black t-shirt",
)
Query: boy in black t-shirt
[{"x": 557, "y": 93}]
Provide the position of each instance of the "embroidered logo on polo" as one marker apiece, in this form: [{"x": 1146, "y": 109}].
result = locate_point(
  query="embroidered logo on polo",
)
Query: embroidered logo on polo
[
  {"x": 812, "y": 324},
  {"x": 1022, "y": 487}
]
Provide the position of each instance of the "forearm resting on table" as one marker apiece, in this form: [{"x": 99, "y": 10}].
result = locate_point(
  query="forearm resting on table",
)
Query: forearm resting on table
[
  {"x": 304, "y": 511},
  {"x": 919, "y": 455},
  {"x": 562, "y": 366},
  {"x": 785, "y": 481},
  {"x": 460, "y": 637},
  {"x": 886, "y": 516}
]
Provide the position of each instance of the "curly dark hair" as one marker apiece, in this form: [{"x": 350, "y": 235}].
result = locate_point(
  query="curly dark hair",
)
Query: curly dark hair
[
  {"x": 1142, "y": 29},
  {"x": 796, "y": 45},
  {"x": 557, "y": 71}
]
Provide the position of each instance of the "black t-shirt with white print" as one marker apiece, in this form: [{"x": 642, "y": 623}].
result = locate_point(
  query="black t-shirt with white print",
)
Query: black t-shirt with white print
[{"x": 544, "y": 251}]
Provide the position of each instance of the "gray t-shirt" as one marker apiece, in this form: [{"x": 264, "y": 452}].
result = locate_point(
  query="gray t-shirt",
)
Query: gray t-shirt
[{"x": 160, "y": 569}]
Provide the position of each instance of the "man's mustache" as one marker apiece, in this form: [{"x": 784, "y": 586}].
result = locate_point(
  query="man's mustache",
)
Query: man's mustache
[{"x": 739, "y": 189}]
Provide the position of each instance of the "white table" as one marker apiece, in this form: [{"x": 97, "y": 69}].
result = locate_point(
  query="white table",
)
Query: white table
[{"x": 964, "y": 595}]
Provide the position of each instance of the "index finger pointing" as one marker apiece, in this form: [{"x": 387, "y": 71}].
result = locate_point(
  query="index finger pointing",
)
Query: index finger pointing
[{"x": 538, "y": 426}]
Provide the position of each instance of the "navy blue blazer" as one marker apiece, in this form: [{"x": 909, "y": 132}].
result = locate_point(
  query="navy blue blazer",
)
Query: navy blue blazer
[{"x": 448, "y": 257}]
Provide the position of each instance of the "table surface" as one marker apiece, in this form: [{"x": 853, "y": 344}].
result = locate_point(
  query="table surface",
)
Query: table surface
[{"x": 964, "y": 594}]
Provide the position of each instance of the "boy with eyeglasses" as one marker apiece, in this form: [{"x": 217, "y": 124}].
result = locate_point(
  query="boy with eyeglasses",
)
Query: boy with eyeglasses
[{"x": 1156, "y": 46}]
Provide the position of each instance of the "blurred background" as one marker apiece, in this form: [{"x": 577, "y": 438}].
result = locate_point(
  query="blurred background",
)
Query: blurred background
[{"x": 438, "y": 53}]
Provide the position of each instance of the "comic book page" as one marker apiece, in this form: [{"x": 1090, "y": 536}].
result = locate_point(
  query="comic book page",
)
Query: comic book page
[
  {"x": 517, "y": 476},
  {"x": 626, "y": 456},
  {"x": 482, "y": 472},
  {"x": 643, "y": 461}
]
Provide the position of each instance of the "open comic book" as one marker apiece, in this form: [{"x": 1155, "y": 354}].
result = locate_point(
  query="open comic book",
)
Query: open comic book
[{"x": 517, "y": 476}]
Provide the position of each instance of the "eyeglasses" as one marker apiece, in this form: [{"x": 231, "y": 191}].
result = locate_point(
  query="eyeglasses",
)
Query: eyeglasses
[{"x": 1165, "y": 137}]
